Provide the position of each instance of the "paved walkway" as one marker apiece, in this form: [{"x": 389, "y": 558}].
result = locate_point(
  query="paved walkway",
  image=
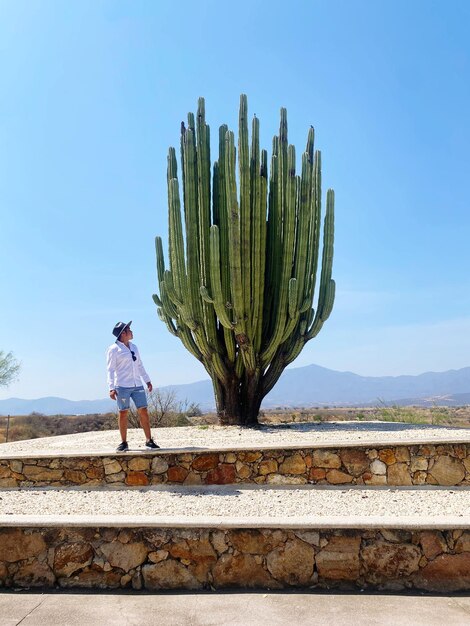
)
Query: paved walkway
[{"x": 231, "y": 609}]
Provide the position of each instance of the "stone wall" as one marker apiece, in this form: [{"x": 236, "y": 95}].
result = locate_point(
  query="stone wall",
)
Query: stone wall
[
  {"x": 199, "y": 558},
  {"x": 443, "y": 464}
]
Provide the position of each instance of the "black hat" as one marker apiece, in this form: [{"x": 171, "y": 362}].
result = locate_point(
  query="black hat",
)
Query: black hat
[{"x": 119, "y": 328}]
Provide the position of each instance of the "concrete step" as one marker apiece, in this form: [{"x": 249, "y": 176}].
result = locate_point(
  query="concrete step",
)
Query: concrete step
[
  {"x": 403, "y": 463},
  {"x": 236, "y": 537},
  {"x": 242, "y": 504}
]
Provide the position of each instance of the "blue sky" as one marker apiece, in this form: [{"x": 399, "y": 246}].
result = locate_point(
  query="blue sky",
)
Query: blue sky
[{"x": 91, "y": 97}]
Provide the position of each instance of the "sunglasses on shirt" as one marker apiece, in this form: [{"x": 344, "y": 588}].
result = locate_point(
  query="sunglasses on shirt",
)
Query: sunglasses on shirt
[{"x": 134, "y": 358}]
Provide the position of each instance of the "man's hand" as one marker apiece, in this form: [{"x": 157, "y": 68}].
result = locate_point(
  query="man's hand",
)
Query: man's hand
[
  {"x": 149, "y": 386},
  {"x": 113, "y": 394}
]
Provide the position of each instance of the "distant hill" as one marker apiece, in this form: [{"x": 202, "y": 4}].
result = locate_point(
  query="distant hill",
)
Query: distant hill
[{"x": 303, "y": 386}]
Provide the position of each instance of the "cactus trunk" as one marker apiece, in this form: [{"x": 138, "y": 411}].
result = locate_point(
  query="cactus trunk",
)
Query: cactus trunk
[{"x": 239, "y": 291}]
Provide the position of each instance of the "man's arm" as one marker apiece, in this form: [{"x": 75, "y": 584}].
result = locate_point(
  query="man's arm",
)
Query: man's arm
[{"x": 111, "y": 371}]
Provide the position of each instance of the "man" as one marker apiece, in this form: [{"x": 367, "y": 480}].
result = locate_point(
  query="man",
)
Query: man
[{"x": 125, "y": 371}]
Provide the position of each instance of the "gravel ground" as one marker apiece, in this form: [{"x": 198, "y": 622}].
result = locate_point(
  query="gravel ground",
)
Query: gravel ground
[
  {"x": 217, "y": 437},
  {"x": 239, "y": 502}
]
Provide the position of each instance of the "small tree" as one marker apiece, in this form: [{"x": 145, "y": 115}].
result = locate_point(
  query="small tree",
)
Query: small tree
[
  {"x": 239, "y": 290},
  {"x": 9, "y": 368}
]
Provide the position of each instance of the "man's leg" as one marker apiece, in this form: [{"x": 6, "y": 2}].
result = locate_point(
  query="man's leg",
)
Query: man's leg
[
  {"x": 145, "y": 421},
  {"x": 123, "y": 424}
]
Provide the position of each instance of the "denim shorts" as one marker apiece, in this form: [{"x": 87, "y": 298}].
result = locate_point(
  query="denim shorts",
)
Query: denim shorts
[{"x": 124, "y": 395}]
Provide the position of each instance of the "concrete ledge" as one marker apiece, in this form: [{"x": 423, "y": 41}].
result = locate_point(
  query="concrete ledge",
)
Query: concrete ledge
[
  {"x": 156, "y": 558},
  {"x": 405, "y": 522}
]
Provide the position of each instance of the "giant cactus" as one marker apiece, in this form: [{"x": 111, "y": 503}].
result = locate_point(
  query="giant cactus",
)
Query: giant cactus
[{"x": 239, "y": 291}]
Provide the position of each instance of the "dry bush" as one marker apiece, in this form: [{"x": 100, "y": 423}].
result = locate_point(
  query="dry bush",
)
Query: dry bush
[{"x": 165, "y": 409}]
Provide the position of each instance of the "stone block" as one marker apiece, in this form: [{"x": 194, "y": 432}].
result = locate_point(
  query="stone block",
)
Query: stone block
[
  {"x": 193, "y": 479},
  {"x": 448, "y": 470},
  {"x": 269, "y": 466},
  {"x": 253, "y": 541},
  {"x": 36, "y": 473},
  {"x": 75, "y": 477},
  {"x": 169, "y": 574},
  {"x": 111, "y": 466},
  {"x": 446, "y": 573},
  {"x": 387, "y": 456},
  {"x": 250, "y": 457},
  {"x": 218, "y": 540},
  {"x": 125, "y": 556},
  {"x": 463, "y": 543},
  {"x": 336, "y": 477},
  {"x": 70, "y": 557},
  {"x": 139, "y": 464},
  {"x": 116, "y": 478},
  {"x": 279, "y": 479},
  {"x": 339, "y": 559},
  {"x": 398, "y": 474},
  {"x": 92, "y": 578},
  {"x": 355, "y": 461},
  {"x": 224, "y": 474},
  {"x": 294, "y": 464},
  {"x": 292, "y": 563},
  {"x": 374, "y": 479},
  {"x": 402, "y": 454},
  {"x": 327, "y": 459},
  {"x": 158, "y": 556},
  {"x": 198, "y": 550},
  {"x": 16, "y": 466},
  {"x": 95, "y": 473},
  {"x": 205, "y": 462},
  {"x": 432, "y": 543},
  {"x": 385, "y": 562},
  {"x": 243, "y": 571},
  {"x": 17, "y": 545},
  {"x": 159, "y": 465},
  {"x": 378, "y": 467},
  {"x": 419, "y": 464},
  {"x": 177, "y": 474},
  {"x": 34, "y": 575},
  {"x": 137, "y": 479},
  {"x": 316, "y": 474}
]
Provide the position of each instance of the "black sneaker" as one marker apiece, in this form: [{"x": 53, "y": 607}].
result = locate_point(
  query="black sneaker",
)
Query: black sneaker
[
  {"x": 122, "y": 447},
  {"x": 151, "y": 445}
]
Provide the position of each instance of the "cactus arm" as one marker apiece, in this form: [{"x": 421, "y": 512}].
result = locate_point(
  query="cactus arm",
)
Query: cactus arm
[
  {"x": 188, "y": 342},
  {"x": 203, "y": 186},
  {"x": 287, "y": 259},
  {"x": 234, "y": 245},
  {"x": 314, "y": 235},
  {"x": 327, "y": 285},
  {"x": 176, "y": 243},
  {"x": 261, "y": 287},
  {"x": 191, "y": 218},
  {"x": 157, "y": 300},
  {"x": 217, "y": 300},
  {"x": 167, "y": 320},
  {"x": 234, "y": 234},
  {"x": 258, "y": 223},
  {"x": 245, "y": 209},
  {"x": 300, "y": 267}
]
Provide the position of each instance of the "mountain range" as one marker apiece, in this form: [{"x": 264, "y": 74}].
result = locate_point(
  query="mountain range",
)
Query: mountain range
[
  {"x": 311, "y": 385},
  {"x": 298, "y": 387}
]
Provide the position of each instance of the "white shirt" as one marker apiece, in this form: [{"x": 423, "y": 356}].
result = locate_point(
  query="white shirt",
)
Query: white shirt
[{"x": 123, "y": 371}]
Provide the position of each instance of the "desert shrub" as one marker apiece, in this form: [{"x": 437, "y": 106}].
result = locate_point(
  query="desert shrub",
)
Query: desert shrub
[{"x": 165, "y": 410}]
